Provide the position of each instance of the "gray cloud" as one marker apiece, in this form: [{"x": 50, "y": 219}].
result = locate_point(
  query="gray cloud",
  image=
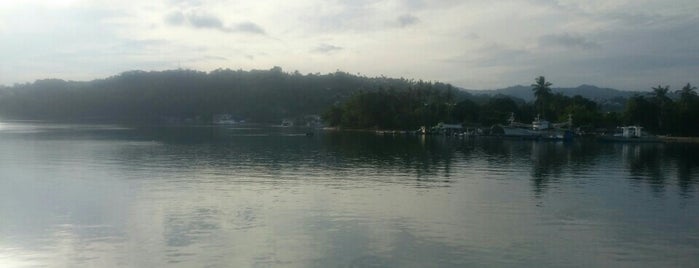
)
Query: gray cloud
[
  {"x": 207, "y": 21},
  {"x": 493, "y": 55},
  {"x": 346, "y": 16},
  {"x": 472, "y": 36},
  {"x": 413, "y": 4},
  {"x": 217, "y": 58},
  {"x": 567, "y": 41},
  {"x": 186, "y": 2},
  {"x": 407, "y": 20},
  {"x": 635, "y": 62},
  {"x": 326, "y": 49},
  {"x": 618, "y": 44},
  {"x": 175, "y": 18},
  {"x": 129, "y": 46},
  {"x": 248, "y": 27}
]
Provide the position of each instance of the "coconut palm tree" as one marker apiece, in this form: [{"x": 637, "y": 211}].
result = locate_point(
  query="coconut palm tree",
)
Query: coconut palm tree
[
  {"x": 662, "y": 101},
  {"x": 660, "y": 93},
  {"x": 687, "y": 92},
  {"x": 542, "y": 91},
  {"x": 688, "y": 110},
  {"x": 541, "y": 88}
]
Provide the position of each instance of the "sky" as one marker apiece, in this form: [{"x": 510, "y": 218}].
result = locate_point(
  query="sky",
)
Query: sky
[{"x": 623, "y": 44}]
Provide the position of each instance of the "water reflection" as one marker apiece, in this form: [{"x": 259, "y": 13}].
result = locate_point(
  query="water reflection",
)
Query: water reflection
[
  {"x": 427, "y": 157},
  {"x": 207, "y": 196},
  {"x": 687, "y": 166},
  {"x": 433, "y": 161},
  {"x": 645, "y": 163},
  {"x": 656, "y": 164}
]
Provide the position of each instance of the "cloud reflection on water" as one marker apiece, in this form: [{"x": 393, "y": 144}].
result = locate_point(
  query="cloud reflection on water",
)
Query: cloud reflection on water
[{"x": 206, "y": 197}]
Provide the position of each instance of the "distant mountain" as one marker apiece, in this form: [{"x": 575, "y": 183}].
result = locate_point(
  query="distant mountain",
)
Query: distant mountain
[{"x": 587, "y": 91}]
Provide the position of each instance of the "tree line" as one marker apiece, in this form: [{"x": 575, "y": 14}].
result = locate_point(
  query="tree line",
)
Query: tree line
[
  {"x": 345, "y": 100},
  {"x": 661, "y": 114},
  {"x": 422, "y": 104},
  {"x": 263, "y": 96}
]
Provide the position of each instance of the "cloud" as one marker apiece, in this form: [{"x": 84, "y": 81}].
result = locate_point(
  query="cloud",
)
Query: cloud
[
  {"x": 175, "y": 18},
  {"x": 407, "y": 20},
  {"x": 567, "y": 41},
  {"x": 472, "y": 36},
  {"x": 213, "y": 58},
  {"x": 486, "y": 43},
  {"x": 206, "y": 21},
  {"x": 248, "y": 27},
  {"x": 492, "y": 55},
  {"x": 140, "y": 45},
  {"x": 326, "y": 49},
  {"x": 186, "y": 2},
  {"x": 202, "y": 20}
]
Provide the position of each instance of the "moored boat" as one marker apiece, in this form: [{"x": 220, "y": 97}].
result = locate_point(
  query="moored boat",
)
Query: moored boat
[
  {"x": 223, "y": 119},
  {"x": 629, "y": 134},
  {"x": 538, "y": 129}
]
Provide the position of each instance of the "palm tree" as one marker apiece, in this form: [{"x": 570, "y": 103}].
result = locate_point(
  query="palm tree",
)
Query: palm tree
[
  {"x": 660, "y": 93},
  {"x": 688, "y": 110},
  {"x": 542, "y": 91},
  {"x": 661, "y": 99},
  {"x": 687, "y": 92},
  {"x": 541, "y": 88}
]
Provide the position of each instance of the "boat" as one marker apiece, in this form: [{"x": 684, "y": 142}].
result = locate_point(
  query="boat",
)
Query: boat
[
  {"x": 629, "y": 134},
  {"x": 538, "y": 129},
  {"x": 518, "y": 130},
  {"x": 223, "y": 119},
  {"x": 287, "y": 123}
]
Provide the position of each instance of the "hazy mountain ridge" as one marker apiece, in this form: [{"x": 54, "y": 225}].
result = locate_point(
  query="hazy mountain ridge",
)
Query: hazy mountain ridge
[
  {"x": 587, "y": 91},
  {"x": 609, "y": 99}
]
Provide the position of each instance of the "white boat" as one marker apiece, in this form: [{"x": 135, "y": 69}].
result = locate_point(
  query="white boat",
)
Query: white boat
[
  {"x": 538, "y": 129},
  {"x": 287, "y": 123},
  {"x": 223, "y": 119},
  {"x": 519, "y": 132},
  {"x": 516, "y": 129},
  {"x": 630, "y": 134}
]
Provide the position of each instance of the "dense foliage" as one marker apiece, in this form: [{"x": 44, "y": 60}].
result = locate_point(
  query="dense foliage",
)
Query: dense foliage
[
  {"x": 420, "y": 104},
  {"x": 423, "y": 104},
  {"x": 179, "y": 95},
  {"x": 659, "y": 113},
  {"x": 426, "y": 104},
  {"x": 344, "y": 100}
]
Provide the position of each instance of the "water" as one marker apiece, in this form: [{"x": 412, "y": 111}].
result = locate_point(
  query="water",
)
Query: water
[{"x": 105, "y": 196}]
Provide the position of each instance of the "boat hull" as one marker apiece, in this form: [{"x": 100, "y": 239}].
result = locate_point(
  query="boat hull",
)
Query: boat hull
[
  {"x": 648, "y": 139},
  {"x": 554, "y": 135}
]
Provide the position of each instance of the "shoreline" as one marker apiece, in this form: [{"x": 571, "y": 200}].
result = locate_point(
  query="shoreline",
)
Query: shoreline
[{"x": 670, "y": 139}]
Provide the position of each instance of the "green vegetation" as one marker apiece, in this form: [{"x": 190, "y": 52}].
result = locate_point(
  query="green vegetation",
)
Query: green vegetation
[
  {"x": 426, "y": 104},
  {"x": 418, "y": 104},
  {"x": 423, "y": 104},
  {"x": 542, "y": 92},
  {"x": 344, "y": 100},
  {"x": 265, "y": 96},
  {"x": 658, "y": 113}
]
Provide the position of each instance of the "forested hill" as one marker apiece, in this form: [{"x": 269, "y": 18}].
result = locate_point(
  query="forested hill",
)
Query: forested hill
[{"x": 176, "y": 95}]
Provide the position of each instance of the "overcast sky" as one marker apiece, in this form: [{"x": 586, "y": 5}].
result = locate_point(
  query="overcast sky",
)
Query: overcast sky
[{"x": 630, "y": 45}]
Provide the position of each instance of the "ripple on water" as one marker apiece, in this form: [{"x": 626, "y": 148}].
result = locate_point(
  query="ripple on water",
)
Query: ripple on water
[{"x": 164, "y": 197}]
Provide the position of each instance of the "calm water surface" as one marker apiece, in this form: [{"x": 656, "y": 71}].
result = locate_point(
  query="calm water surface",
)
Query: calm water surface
[{"x": 104, "y": 196}]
